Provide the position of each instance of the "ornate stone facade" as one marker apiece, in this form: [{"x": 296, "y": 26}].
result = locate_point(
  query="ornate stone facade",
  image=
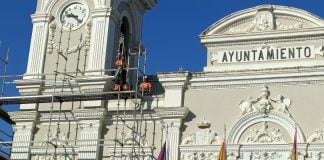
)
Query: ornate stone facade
[{"x": 288, "y": 45}]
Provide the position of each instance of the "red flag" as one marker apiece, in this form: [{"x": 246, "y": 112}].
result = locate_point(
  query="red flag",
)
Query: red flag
[
  {"x": 294, "y": 149},
  {"x": 162, "y": 155},
  {"x": 222, "y": 152}
]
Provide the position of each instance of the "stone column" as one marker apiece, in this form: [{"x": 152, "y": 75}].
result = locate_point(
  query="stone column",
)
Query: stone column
[
  {"x": 171, "y": 129},
  {"x": 23, "y": 134},
  {"x": 38, "y": 45},
  {"x": 90, "y": 123}
]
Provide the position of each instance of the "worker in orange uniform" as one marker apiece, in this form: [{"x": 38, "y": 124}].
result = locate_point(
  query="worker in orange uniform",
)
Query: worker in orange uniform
[
  {"x": 145, "y": 86},
  {"x": 120, "y": 59}
]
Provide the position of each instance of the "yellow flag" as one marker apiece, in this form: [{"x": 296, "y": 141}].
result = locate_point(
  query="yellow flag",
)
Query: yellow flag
[
  {"x": 222, "y": 152},
  {"x": 294, "y": 149}
]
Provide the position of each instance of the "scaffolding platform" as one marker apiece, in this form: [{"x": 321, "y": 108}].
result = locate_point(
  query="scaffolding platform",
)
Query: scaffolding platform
[{"x": 65, "y": 97}]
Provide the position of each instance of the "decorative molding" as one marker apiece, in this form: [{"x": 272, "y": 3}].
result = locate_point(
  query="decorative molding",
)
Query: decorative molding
[
  {"x": 265, "y": 135},
  {"x": 174, "y": 80},
  {"x": 267, "y": 155},
  {"x": 56, "y": 139},
  {"x": 249, "y": 78},
  {"x": 171, "y": 112},
  {"x": 317, "y": 137},
  {"x": 264, "y": 104},
  {"x": 23, "y": 116},
  {"x": 202, "y": 136},
  {"x": 54, "y": 46},
  {"x": 133, "y": 138},
  {"x": 84, "y": 114},
  {"x": 127, "y": 153},
  {"x": 256, "y": 117}
]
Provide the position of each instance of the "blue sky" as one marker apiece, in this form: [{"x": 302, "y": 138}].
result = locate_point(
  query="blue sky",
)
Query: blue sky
[{"x": 170, "y": 31}]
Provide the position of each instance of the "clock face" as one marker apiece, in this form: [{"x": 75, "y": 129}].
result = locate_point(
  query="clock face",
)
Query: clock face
[{"x": 73, "y": 16}]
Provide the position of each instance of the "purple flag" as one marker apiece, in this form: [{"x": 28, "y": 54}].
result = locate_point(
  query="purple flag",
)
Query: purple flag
[{"x": 162, "y": 155}]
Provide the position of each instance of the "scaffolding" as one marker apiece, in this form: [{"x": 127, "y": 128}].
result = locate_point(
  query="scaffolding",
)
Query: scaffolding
[{"x": 125, "y": 77}]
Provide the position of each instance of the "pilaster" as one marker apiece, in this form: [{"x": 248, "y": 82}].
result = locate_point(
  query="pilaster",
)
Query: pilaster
[
  {"x": 171, "y": 129},
  {"x": 171, "y": 123},
  {"x": 90, "y": 123},
  {"x": 38, "y": 45},
  {"x": 103, "y": 31},
  {"x": 174, "y": 84},
  {"x": 23, "y": 134}
]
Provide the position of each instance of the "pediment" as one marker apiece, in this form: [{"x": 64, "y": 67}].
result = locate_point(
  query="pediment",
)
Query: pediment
[{"x": 265, "y": 18}]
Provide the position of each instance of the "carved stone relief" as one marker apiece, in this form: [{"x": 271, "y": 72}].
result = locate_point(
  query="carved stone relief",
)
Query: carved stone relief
[
  {"x": 265, "y": 20},
  {"x": 202, "y": 136},
  {"x": 264, "y": 104},
  {"x": 317, "y": 137},
  {"x": 54, "y": 46},
  {"x": 266, "y": 156},
  {"x": 56, "y": 139},
  {"x": 132, "y": 138},
  {"x": 198, "y": 156},
  {"x": 265, "y": 135}
]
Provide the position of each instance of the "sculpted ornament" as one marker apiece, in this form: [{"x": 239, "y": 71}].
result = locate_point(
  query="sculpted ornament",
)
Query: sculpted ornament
[
  {"x": 264, "y": 104},
  {"x": 266, "y": 156},
  {"x": 265, "y": 135},
  {"x": 132, "y": 138},
  {"x": 84, "y": 41},
  {"x": 55, "y": 139},
  {"x": 317, "y": 137},
  {"x": 264, "y": 20},
  {"x": 203, "y": 136},
  {"x": 198, "y": 156}
]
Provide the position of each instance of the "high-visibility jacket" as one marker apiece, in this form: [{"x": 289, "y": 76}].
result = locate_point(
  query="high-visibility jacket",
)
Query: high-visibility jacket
[{"x": 146, "y": 85}]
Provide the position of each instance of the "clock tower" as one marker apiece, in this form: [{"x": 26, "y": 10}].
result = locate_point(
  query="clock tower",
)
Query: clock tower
[
  {"x": 73, "y": 50},
  {"x": 80, "y": 38}
]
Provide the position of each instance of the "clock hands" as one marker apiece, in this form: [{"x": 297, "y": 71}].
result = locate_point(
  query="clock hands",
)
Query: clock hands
[{"x": 76, "y": 17}]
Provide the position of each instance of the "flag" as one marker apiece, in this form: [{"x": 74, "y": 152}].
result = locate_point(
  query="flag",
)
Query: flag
[
  {"x": 222, "y": 152},
  {"x": 294, "y": 149},
  {"x": 162, "y": 154}
]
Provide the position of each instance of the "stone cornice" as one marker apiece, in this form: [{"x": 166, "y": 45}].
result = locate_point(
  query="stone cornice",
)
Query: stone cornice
[
  {"x": 89, "y": 114},
  {"x": 23, "y": 116},
  {"x": 60, "y": 151},
  {"x": 172, "y": 112},
  {"x": 106, "y": 12},
  {"x": 36, "y": 18},
  {"x": 263, "y": 36},
  {"x": 148, "y": 115},
  {"x": 288, "y": 76},
  {"x": 174, "y": 79}
]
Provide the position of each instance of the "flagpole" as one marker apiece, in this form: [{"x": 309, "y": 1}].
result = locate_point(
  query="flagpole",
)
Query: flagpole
[{"x": 225, "y": 143}]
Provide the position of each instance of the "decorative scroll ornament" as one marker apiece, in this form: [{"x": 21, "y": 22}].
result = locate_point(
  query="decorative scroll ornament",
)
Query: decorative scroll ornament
[
  {"x": 317, "y": 137},
  {"x": 203, "y": 136},
  {"x": 84, "y": 42},
  {"x": 55, "y": 139},
  {"x": 52, "y": 157},
  {"x": 264, "y": 104},
  {"x": 266, "y": 155},
  {"x": 198, "y": 155},
  {"x": 265, "y": 135},
  {"x": 132, "y": 138}
]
